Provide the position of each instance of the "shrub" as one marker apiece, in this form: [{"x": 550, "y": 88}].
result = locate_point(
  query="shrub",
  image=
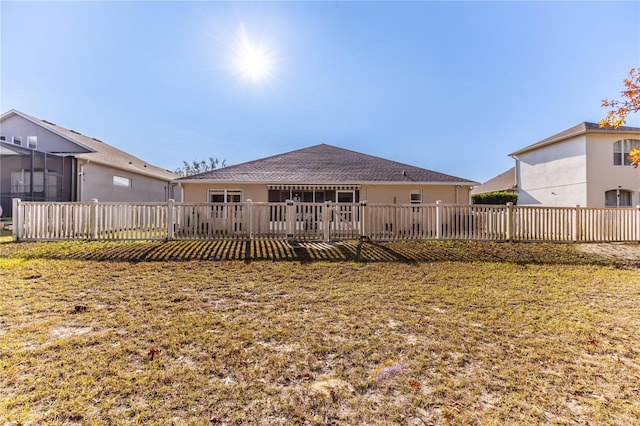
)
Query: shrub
[{"x": 497, "y": 197}]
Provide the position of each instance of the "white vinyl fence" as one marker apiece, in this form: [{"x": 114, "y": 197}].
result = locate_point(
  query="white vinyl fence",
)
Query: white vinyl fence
[{"x": 34, "y": 221}]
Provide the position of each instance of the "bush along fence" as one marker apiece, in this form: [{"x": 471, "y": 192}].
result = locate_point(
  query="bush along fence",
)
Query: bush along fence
[{"x": 38, "y": 221}]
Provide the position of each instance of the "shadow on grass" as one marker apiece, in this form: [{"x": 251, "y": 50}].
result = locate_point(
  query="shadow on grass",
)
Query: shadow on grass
[{"x": 304, "y": 252}]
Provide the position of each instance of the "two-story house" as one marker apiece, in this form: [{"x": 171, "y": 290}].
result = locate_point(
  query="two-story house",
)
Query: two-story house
[
  {"x": 585, "y": 165},
  {"x": 41, "y": 161}
]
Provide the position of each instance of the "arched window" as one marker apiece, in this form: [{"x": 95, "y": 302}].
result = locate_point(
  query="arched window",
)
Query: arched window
[
  {"x": 617, "y": 198},
  {"x": 621, "y": 150}
]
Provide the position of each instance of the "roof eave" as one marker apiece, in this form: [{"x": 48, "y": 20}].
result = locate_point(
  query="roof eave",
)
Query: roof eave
[
  {"x": 126, "y": 169},
  {"x": 230, "y": 181},
  {"x": 553, "y": 140},
  {"x": 47, "y": 126}
]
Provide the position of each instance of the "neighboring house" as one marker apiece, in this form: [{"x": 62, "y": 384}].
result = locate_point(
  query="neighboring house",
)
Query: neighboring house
[
  {"x": 325, "y": 173},
  {"x": 504, "y": 182},
  {"x": 41, "y": 161},
  {"x": 584, "y": 165}
]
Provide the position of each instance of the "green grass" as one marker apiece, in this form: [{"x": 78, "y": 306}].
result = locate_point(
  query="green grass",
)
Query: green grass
[{"x": 477, "y": 333}]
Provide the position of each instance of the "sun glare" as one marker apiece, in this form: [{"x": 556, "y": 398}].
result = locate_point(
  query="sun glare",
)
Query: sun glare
[{"x": 253, "y": 61}]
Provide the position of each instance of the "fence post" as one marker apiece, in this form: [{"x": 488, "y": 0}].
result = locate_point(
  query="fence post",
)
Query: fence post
[
  {"x": 291, "y": 219},
  {"x": 16, "y": 221},
  {"x": 439, "y": 219},
  {"x": 509, "y": 221},
  {"x": 94, "y": 219},
  {"x": 638, "y": 223},
  {"x": 170, "y": 219},
  {"x": 326, "y": 221},
  {"x": 363, "y": 216},
  {"x": 577, "y": 223},
  {"x": 250, "y": 215}
]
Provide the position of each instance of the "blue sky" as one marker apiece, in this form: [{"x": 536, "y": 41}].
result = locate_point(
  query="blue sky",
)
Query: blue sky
[{"x": 448, "y": 86}]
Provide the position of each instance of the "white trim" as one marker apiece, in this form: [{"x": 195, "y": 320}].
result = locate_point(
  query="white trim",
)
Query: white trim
[{"x": 352, "y": 192}]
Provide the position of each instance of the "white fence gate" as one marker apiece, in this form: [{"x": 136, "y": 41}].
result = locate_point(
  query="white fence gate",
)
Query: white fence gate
[{"x": 319, "y": 221}]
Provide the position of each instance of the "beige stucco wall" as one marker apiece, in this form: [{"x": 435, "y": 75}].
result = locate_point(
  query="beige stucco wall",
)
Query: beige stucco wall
[
  {"x": 96, "y": 181},
  {"x": 198, "y": 192},
  {"x": 555, "y": 175},
  {"x": 603, "y": 176},
  {"x": 400, "y": 194}
]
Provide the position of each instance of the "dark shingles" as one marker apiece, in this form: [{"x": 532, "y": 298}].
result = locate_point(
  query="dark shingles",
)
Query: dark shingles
[{"x": 325, "y": 164}]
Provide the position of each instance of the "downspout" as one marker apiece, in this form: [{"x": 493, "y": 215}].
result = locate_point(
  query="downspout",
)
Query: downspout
[{"x": 81, "y": 182}]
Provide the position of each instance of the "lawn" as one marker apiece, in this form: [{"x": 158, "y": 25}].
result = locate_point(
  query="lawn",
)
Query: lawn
[{"x": 216, "y": 333}]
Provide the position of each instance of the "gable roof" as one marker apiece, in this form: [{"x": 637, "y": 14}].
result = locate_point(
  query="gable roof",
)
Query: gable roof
[
  {"x": 95, "y": 150},
  {"x": 505, "y": 181},
  {"x": 325, "y": 164},
  {"x": 577, "y": 130}
]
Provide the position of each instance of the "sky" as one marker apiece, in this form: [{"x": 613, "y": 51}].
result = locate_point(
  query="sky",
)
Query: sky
[{"x": 448, "y": 86}]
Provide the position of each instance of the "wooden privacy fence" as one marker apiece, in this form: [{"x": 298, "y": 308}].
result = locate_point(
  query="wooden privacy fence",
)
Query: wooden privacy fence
[{"x": 327, "y": 221}]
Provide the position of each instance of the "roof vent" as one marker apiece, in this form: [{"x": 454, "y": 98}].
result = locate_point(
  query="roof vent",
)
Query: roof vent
[
  {"x": 73, "y": 131},
  {"x": 48, "y": 122},
  {"x": 404, "y": 173},
  {"x": 97, "y": 140}
]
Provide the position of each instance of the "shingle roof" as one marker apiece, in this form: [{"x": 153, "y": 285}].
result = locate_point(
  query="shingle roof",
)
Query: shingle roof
[
  {"x": 101, "y": 152},
  {"x": 579, "y": 129},
  {"x": 505, "y": 181},
  {"x": 325, "y": 164}
]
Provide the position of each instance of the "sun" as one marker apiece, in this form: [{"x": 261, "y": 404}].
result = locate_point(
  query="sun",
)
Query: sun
[{"x": 253, "y": 61}]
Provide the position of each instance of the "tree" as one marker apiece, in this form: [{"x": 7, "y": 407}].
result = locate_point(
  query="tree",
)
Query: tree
[
  {"x": 196, "y": 167},
  {"x": 629, "y": 103}
]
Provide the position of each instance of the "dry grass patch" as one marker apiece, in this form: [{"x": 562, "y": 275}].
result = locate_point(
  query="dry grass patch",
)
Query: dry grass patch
[{"x": 262, "y": 342}]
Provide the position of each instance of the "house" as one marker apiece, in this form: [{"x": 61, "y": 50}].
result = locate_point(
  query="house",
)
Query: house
[
  {"x": 41, "y": 161},
  {"x": 585, "y": 165},
  {"x": 504, "y": 182},
  {"x": 324, "y": 173}
]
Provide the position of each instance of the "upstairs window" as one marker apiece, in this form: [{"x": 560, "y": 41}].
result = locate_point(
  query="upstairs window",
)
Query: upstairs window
[
  {"x": 621, "y": 150},
  {"x": 17, "y": 140},
  {"x": 32, "y": 142},
  {"x": 3, "y": 138}
]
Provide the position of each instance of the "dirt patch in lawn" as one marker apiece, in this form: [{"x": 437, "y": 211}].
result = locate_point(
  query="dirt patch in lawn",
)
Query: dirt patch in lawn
[{"x": 620, "y": 251}]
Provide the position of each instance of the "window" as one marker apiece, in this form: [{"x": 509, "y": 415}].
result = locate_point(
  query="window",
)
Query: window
[
  {"x": 226, "y": 196},
  {"x": 3, "y": 138},
  {"x": 32, "y": 142},
  {"x": 416, "y": 196},
  {"x": 17, "y": 140},
  {"x": 621, "y": 150},
  {"x": 617, "y": 198},
  {"x": 346, "y": 196},
  {"x": 122, "y": 181}
]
